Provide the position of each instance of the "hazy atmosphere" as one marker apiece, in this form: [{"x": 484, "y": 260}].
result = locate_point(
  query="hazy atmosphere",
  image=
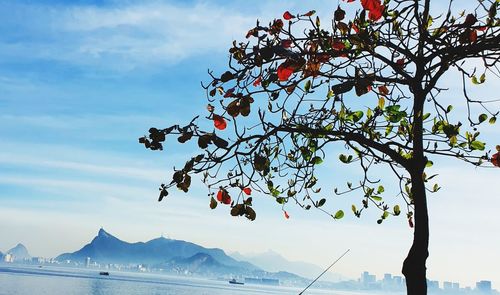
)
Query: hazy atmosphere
[{"x": 81, "y": 81}]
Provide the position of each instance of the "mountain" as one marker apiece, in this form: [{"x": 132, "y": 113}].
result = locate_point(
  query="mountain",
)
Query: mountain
[
  {"x": 274, "y": 262},
  {"x": 106, "y": 248},
  {"x": 19, "y": 252}
]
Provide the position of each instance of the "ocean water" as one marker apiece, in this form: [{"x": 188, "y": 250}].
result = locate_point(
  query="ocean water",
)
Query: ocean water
[{"x": 66, "y": 281}]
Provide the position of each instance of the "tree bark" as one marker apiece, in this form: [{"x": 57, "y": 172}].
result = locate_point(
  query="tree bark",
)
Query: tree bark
[{"x": 414, "y": 268}]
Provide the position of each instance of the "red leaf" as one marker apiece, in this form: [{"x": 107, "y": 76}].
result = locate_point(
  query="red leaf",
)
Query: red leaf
[
  {"x": 336, "y": 45},
  {"x": 375, "y": 8},
  {"x": 247, "y": 191},
  {"x": 257, "y": 81},
  {"x": 495, "y": 159},
  {"x": 219, "y": 122},
  {"x": 355, "y": 28},
  {"x": 287, "y": 15},
  {"x": 286, "y": 215},
  {"x": 400, "y": 62},
  {"x": 383, "y": 90},
  {"x": 482, "y": 28},
  {"x": 286, "y": 43},
  {"x": 223, "y": 197},
  {"x": 284, "y": 72},
  {"x": 473, "y": 36},
  {"x": 348, "y": 1}
]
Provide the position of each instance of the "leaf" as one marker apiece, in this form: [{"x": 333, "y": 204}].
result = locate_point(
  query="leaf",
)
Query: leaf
[
  {"x": 374, "y": 7},
  {"x": 383, "y": 90},
  {"x": 477, "y": 145},
  {"x": 219, "y": 122},
  {"x": 307, "y": 87},
  {"x": 449, "y": 108},
  {"x": 317, "y": 160},
  {"x": 381, "y": 103},
  {"x": 287, "y": 15},
  {"x": 227, "y": 76},
  {"x": 397, "y": 210},
  {"x": 493, "y": 120},
  {"x": 310, "y": 13},
  {"x": 286, "y": 215},
  {"x": 257, "y": 81},
  {"x": 233, "y": 108},
  {"x": 429, "y": 164},
  {"x": 495, "y": 159},
  {"x": 223, "y": 197},
  {"x": 213, "y": 203},
  {"x": 284, "y": 71},
  {"x": 376, "y": 198},
  {"x": 380, "y": 189},
  {"x": 482, "y": 118},
  {"x": 339, "y": 14},
  {"x": 250, "y": 213},
  {"x": 247, "y": 191},
  {"x": 435, "y": 188},
  {"x": 321, "y": 202},
  {"x": 339, "y": 214}
]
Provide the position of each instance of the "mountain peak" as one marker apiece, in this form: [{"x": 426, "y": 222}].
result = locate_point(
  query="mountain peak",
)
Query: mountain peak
[
  {"x": 20, "y": 252},
  {"x": 102, "y": 233}
]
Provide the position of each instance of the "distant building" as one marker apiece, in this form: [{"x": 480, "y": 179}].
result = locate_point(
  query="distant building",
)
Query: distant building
[
  {"x": 484, "y": 286},
  {"x": 432, "y": 285},
  {"x": 87, "y": 262},
  {"x": 447, "y": 286},
  {"x": 8, "y": 258}
]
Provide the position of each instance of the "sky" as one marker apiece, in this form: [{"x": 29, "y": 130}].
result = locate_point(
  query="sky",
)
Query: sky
[{"x": 80, "y": 81}]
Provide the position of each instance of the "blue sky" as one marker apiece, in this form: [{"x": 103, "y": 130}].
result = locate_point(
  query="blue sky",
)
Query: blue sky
[{"x": 80, "y": 81}]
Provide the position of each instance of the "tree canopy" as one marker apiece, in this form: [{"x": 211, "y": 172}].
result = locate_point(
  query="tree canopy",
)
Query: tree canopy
[{"x": 367, "y": 79}]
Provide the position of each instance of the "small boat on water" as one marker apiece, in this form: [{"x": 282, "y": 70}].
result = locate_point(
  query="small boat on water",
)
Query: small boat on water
[
  {"x": 104, "y": 273},
  {"x": 234, "y": 281}
]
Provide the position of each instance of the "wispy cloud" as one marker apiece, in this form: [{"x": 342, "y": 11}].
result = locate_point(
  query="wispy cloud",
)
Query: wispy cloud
[{"x": 124, "y": 37}]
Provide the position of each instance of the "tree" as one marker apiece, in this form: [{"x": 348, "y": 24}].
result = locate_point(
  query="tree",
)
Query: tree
[{"x": 290, "y": 92}]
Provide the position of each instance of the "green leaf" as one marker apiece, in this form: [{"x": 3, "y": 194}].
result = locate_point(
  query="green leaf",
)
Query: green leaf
[
  {"x": 307, "y": 87},
  {"x": 356, "y": 116},
  {"x": 429, "y": 164},
  {"x": 493, "y": 120},
  {"x": 376, "y": 198},
  {"x": 380, "y": 189},
  {"x": 321, "y": 202},
  {"x": 317, "y": 160},
  {"x": 482, "y": 118},
  {"x": 427, "y": 115},
  {"x": 449, "y": 108},
  {"x": 385, "y": 215},
  {"x": 435, "y": 188},
  {"x": 477, "y": 145},
  {"x": 354, "y": 209},
  {"x": 397, "y": 210},
  {"x": 339, "y": 214}
]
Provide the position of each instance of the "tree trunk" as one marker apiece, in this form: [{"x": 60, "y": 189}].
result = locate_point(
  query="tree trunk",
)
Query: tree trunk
[{"x": 414, "y": 268}]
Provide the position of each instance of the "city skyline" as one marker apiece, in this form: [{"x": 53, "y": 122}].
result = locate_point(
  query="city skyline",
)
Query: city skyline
[{"x": 80, "y": 82}]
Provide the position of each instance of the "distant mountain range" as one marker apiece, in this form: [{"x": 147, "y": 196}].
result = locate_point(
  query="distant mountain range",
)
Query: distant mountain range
[
  {"x": 106, "y": 248},
  {"x": 170, "y": 255},
  {"x": 274, "y": 262},
  {"x": 19, "y": 252}
]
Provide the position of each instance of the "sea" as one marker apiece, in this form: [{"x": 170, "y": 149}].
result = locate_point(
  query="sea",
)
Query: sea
[{"x": 47, "y": 280}]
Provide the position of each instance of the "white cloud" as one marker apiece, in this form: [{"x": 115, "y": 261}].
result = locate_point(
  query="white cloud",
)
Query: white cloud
[{"x": 126, "y": 37}]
